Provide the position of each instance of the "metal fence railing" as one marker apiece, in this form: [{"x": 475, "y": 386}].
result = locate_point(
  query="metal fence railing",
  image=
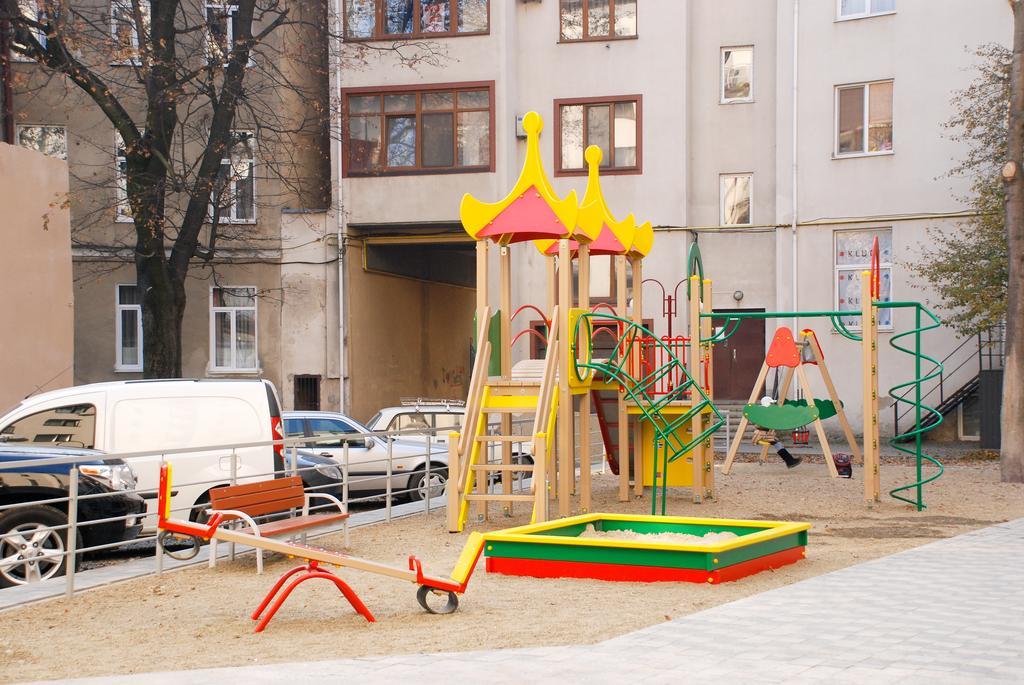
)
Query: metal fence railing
[{"x": 40, "y": 547}]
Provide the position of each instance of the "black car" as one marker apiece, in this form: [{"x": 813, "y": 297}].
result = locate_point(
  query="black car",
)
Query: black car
[{"x": 28, "y": 552}]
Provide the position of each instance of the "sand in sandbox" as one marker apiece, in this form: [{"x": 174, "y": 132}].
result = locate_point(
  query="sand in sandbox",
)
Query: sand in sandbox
[{"x": 709, "y": 538}]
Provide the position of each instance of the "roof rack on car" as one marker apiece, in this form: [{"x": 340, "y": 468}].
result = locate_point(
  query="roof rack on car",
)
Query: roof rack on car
[{"x": 419, "y": 401}]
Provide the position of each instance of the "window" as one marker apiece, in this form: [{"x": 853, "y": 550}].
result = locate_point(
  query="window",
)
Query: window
[
  {"x": 737, "y": 75},
  {"x": 422, "y": 131},
  {"x": 597, "y": 19},
  {"x": 613, "y": 124},
  {"x": 855, "y": 9},
  {"x": 52, "y": 141},
  {"x": 125, "y": 29},
  {"x": 30, "y": 10},
  {"x": 122, "y": 209},
  {"x": 78, "y": 422},
  {"x": 321, "y": 429},
  {"x": 128, "y": 329},
  {"x": 233, "y": 329},
  {"x": 864, "y": 119},
  {"x": 220, "y": 29},
  {"x": 853, "y": 256},
  {"x": 369, "y": 19},
  {"x": 735, "y": 193},
  {"x": 294, "y": 428},
  {"x": 234, "y": 192}
]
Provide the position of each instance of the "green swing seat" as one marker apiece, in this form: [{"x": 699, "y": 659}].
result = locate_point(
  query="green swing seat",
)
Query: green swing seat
[
  {"x": 780, "y": 417},
  {"x": 826, "y": 408},
  {"x": 789, "y": 415}
]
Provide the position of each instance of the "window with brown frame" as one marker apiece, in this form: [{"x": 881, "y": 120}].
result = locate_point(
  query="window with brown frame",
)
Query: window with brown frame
[
  {"x": 597, "y": 19},
  {"x": 612, "y": 124},
  {"x": 389, "y": 19},
  {"x": 439, "y": 129}
]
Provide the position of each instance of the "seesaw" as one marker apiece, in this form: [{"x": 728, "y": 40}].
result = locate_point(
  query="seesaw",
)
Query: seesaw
[{"x": 453, "y": 586}]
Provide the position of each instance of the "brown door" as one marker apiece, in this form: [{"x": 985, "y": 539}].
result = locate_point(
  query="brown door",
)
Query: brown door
[{"x": 738, "y": 360}]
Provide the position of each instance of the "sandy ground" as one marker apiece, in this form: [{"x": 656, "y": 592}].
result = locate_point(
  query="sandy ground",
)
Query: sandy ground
[{"x": 199, "y": 618}]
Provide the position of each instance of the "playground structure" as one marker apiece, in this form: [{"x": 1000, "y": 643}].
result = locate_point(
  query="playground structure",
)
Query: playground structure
[
  {"x": 556, "y": 550},
  {"x": 315, "y": 558},
  {"x": 657, "y": 400},
  {"x": 787, "y": 414},
  {"x": 664, "y": 387}
]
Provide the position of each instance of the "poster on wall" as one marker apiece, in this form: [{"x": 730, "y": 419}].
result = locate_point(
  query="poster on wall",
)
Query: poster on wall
[{"x": 853, "y": 255}]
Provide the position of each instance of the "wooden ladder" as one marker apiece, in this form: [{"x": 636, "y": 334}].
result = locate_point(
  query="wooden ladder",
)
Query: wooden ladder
[{"x": 489, "y": 397}]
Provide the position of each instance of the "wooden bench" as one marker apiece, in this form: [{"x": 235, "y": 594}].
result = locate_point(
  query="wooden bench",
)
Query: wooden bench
[{"x": 263, "y": 498}]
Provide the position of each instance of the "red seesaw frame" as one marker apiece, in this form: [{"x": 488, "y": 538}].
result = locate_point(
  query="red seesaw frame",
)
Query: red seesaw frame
[{"x": 315, "y": 556}]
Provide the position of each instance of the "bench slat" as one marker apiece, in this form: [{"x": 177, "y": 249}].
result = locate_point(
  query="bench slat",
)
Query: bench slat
[{"x": 264, "y": 497}]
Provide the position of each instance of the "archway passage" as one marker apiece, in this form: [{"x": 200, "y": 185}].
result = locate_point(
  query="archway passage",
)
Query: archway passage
[{"x": 410, "y": 323}]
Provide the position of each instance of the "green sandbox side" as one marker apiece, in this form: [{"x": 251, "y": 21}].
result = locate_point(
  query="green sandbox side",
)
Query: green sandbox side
[
  {"x": 648, "y": 527},
  {"x": 633, "y": 556}
]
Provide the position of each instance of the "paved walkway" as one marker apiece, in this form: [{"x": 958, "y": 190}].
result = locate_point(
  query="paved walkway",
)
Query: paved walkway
[{"x": 948, "y": 612}]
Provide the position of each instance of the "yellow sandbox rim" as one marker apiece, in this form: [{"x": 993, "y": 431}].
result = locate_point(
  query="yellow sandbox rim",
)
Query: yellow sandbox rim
[{"x": 775, "y": 529}]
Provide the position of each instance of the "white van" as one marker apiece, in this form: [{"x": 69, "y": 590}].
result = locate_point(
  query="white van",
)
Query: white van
[{"x": 155, "y": 415}]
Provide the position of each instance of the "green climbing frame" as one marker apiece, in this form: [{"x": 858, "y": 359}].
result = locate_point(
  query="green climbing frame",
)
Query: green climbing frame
[{"x": 668, "y": 445}]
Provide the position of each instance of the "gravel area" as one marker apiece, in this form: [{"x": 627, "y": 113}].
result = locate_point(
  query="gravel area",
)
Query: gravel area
[{"x": 199, "y": 617}]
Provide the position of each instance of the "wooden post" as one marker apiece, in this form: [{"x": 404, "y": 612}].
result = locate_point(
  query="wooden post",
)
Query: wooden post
[
  {"x": 554, "y": 268},
  {"x": 540, "y": 490},
  {"x": 636, "y": 264},
  {"x": 709, "y": 450},
  {"x": 584, "y": 436},
  {"x": 506, "y": 369},
  {"x": 454, "y": 496},
  {"x": 623, "y": 429},
  {"x": 818, "y": 428},
  {"x": 869, "y": 355},
  {"x": 566, "y": 453},
  {"x": 482, "y": 307},
  {"x": 742, "y": 428},
  {"x": 834, "y": 396}
]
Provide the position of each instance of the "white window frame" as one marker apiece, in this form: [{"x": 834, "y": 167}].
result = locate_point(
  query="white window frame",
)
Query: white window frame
[
  {"x": 866, "y": 86},
  {"x": 20, "y": 127},
  {"x": 721, "y": 197},
  {"x": 122, "y": 212},
  {"x": 234, "y": 368},
  {"x": 722, "y": 100},
  {"x": 40, "y": 36},
  {"x": 119, "y": 365},
  {"x": 231, "y": 9},
  {"x": 861, "y": 15},
  {"x": 866, "y": 266},
  {"x": 145, "y": 8},
  {"x": 230, "y": 216}
]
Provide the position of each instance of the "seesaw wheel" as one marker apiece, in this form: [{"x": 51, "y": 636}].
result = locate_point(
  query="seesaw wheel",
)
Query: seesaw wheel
[
  {"x": 171, "y": 543},
  {"x": 428, "y": 599}
]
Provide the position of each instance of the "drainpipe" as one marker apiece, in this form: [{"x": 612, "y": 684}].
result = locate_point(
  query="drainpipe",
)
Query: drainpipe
[
  {"x": 796, "y": 169},
  {"x": 334, "y": 57}
]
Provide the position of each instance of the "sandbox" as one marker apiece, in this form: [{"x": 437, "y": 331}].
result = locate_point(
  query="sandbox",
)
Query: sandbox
[{"x": 556, "y": 550}]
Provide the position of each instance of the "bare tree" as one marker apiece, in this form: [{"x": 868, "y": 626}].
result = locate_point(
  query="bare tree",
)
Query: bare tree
[
  {"x": 194, "y": 89},
  {"x": 1012, "y": 448}
]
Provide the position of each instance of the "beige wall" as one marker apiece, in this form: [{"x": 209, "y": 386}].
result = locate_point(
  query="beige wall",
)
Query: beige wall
[
  {"x": 407, "y": 338},
  {"x": 37, "y": 303},
  {"x": 95, "y": 292}
]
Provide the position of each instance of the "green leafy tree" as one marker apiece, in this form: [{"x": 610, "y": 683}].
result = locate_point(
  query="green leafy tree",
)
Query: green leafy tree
[{"x": 968, "y": 267}]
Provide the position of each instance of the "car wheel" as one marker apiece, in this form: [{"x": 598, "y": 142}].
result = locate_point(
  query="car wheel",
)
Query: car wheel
[
  {"x": 29, "y": 552},
  {"x": 419, "y": 483}
]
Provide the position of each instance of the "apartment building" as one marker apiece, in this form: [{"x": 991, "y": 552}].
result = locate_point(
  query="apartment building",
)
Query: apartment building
[
  {"x": 725, "y": 122},
  {"x": 783, "y": 136},
  {"x": 250, "y": 304}
]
